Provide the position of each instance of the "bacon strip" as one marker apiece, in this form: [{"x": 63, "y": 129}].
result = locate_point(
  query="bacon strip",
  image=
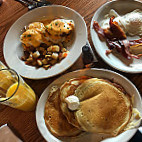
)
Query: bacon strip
[
  {"x": 99, "y": 30},
  {"x": 116, "y": 41},
  {"x": 135, "y": 42},
  {"x": 116, "y": 30}
]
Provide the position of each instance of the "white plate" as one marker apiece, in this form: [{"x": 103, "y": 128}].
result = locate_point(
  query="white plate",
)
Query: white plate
[
  {"x": 117, "y": 61},
  {"x": 100, "y": 73},
  {"x": 13, "y": 48}
]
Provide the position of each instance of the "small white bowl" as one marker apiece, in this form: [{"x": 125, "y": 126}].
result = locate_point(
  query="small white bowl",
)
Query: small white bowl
[
  {"x": 13, "y": 49},
  {"x": 116, "y": 60}
]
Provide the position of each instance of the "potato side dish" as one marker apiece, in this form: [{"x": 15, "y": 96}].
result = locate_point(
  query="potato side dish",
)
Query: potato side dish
[{"x": 45, "y": 43}]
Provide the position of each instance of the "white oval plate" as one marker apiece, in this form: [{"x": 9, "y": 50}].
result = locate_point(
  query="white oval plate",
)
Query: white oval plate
[
  {"x": 13, "y": 48},
  {"x": 117, "y": 61},
  {"x": 86, "y": 137}
]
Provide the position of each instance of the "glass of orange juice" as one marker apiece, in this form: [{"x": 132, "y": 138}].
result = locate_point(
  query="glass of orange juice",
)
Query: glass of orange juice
[{"x": 14, "y": 92}]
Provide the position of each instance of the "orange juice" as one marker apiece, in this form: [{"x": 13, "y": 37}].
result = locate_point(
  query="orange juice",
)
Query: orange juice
[
  {"x": 24, "y": 98},
  {"x": 6, "y": 80}
]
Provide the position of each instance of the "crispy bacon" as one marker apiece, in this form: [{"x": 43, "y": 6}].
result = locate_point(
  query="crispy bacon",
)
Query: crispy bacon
[
  {"x": 114, "y": 44},
  {"x": 122, "y": 46},
  {"x": 116, "y": 30},
  {"x": 135, "y": 42},
  {"x": 116, "y": 39},
  {"x": 99, "y": 30}
]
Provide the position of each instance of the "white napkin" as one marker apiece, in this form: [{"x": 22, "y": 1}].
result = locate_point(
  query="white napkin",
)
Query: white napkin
[{"x": 6, "y": 135}]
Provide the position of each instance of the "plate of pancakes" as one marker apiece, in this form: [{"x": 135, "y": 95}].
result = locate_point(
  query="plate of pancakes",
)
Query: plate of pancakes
[{"x": 109, "y": 108}]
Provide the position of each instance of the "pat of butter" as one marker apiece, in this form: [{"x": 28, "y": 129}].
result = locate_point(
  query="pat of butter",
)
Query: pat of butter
[{"x": 73, "y": 102}]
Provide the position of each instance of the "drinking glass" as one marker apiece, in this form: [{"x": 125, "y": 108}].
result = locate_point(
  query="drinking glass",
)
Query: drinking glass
[{"x": 14, "y": 92}]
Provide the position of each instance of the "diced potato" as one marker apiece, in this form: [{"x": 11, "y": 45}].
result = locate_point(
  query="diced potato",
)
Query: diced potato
[
  {"x": 55, "y": 56},
  {"x": 48, "y": 56},
  {"x": 31, "y": 55},
  {"x": 53, "y": 62},
  {"x": 46, "y": 66},
  {"x": 54, "y": 48},
  {"x": 48, "y": 59},
  {"x": 44, "y": 61},
  {"x": 63, "y": 55},
  {"x": 29, "y": 59},
  {"x": 39, "y": 62},
  {"x": 34, "y": 63},
  {"x": 36, "y": 54},
  {"x": 63, "y": 50},
  {"x": 49, "y": 53}
]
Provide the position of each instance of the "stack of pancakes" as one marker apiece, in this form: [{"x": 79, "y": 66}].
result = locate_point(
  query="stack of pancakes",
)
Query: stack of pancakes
[{"x": 104, "y": 107}]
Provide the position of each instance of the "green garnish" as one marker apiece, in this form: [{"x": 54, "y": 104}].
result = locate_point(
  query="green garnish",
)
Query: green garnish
[
  {"x": 56, "y": 23},
  {"x": 64, "y": 25},
  {"x": 24, "y": 35},
  {"x": 47, "y": 27},
  {"x": 28, "y": 35},
  {"x": 67, "y": 28}
]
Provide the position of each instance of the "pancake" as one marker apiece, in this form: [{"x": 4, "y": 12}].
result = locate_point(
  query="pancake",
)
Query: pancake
[
  {"x": 104, "y": 107},
  {"x": 55, "y": 121},
  {"x": 67, "y": 89}
]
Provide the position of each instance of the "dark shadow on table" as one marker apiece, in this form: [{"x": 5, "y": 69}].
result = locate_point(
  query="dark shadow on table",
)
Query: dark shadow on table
[{"x": 137, "y": 137}]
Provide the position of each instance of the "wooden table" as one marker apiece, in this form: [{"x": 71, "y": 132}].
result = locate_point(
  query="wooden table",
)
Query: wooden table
[{"x": 24, "y": 123}]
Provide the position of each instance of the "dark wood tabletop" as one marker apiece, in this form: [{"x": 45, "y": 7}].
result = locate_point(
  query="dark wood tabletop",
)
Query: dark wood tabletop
[{"x": 22, "y": 123}]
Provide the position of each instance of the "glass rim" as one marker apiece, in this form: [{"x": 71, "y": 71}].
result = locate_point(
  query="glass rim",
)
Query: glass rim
[{"x": 16, "y": 87}]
